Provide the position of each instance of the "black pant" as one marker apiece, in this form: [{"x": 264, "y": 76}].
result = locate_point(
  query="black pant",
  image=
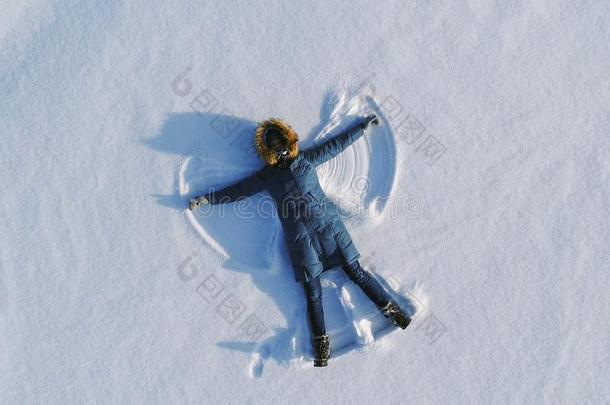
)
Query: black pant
[{"x": 364, "y": 279}]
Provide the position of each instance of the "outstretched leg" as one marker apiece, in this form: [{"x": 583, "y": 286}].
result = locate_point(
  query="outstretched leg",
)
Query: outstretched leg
[
  {"x": 320, "y": 340},
  {"x": 377, "y": 294},
  {"x": 315, "y": 310},
  {"x": 367, "y": 283}
]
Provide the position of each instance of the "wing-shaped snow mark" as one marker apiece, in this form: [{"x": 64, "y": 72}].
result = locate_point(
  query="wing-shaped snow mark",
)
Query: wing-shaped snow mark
[
  {"x": 205, "y": 235},
  {"x": 218, "y": 225},
  {"x": 360, "y": 179}
]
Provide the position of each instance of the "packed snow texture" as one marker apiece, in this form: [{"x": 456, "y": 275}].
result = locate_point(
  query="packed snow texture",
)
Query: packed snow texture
[{"x": 481, "y": 202}]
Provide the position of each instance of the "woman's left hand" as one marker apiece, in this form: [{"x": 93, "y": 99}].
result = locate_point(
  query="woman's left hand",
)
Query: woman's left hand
[{"x": 371, "y": 119}]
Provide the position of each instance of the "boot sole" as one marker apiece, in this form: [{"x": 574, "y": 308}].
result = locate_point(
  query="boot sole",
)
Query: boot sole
[
  {"x": 405, "y": 326},
  {"x": 320, "y": 363}
]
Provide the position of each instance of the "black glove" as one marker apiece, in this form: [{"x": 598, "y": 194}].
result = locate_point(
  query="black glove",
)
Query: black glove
[{"x": 371, "y": 119}]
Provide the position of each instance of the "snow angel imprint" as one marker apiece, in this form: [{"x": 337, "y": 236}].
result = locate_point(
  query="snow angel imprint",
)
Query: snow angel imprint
[{"x": 316, "y": 236}]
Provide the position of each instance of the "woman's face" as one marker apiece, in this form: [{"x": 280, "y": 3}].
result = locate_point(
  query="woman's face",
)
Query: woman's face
[{"x": 276, "y": 145}]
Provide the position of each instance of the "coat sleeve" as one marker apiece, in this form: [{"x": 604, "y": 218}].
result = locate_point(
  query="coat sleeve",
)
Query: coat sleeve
[
  {"x": 252, "y": 184},
  {"x": 331, "y": 148}
]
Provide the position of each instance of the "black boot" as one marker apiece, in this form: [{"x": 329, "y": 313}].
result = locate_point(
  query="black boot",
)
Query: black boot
[
  {"x": 321, "y": 346},
  {"x": 395, "y": 314}
]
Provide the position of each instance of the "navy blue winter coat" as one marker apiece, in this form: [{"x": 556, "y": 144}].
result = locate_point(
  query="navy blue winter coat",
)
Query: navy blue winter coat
[{"x": 315, "y": 234}]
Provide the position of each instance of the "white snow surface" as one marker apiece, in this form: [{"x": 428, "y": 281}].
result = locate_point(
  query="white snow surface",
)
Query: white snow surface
[{"x": 481, "y": 202}]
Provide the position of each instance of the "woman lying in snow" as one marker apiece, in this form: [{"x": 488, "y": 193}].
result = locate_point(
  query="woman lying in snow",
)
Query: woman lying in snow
[{"x": 315, "y": 234}]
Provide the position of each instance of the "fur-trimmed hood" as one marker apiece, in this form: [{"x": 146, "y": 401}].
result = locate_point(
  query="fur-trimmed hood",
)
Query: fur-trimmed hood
[{"x": 291, "y": 140}]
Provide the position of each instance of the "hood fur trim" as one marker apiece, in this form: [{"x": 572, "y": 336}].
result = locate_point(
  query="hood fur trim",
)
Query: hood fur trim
[{"x": 291, "y": 140}]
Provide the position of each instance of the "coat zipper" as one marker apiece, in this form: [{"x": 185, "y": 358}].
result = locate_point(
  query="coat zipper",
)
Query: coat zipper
[{"x": 315, "y": 235}]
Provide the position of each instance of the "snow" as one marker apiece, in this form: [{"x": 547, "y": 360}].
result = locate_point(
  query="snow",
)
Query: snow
[{"x": 481, "y": 203}]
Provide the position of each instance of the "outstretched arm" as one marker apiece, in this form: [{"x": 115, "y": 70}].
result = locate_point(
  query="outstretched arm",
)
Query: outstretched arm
[
  {"x": 331, "y": 148},
  {"x": 244, "y": 188}
]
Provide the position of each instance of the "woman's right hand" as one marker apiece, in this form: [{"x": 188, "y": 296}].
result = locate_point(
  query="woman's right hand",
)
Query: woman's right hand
[
  {"x": 197, "y": 202},
  {"x": 371, "y": 119}
]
